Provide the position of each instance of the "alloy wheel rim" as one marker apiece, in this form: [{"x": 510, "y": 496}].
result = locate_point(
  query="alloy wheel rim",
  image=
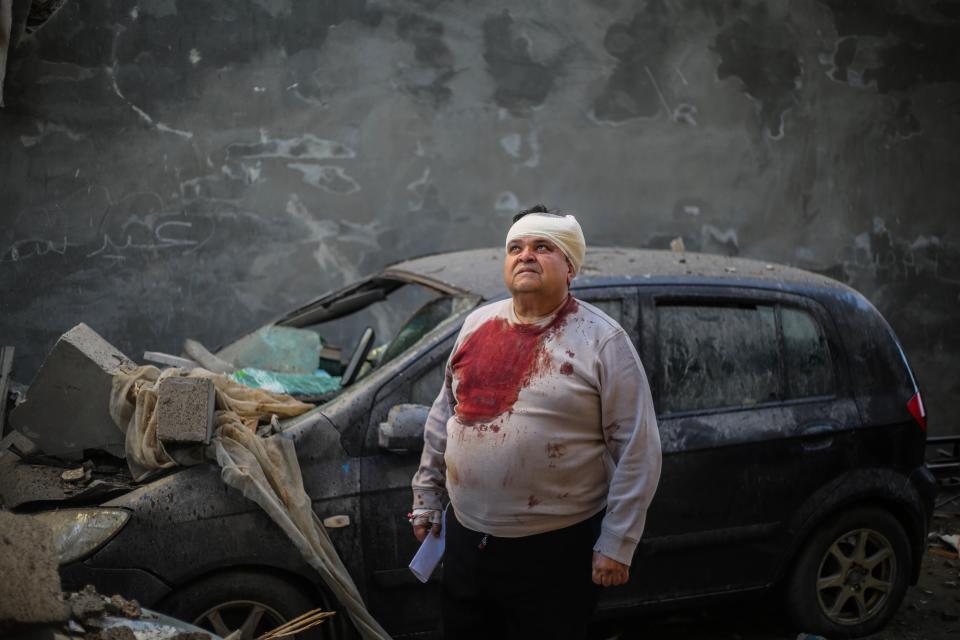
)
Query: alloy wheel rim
[
  {"x": 856, "y": 576},
  {"x": 252, "y": 618}
]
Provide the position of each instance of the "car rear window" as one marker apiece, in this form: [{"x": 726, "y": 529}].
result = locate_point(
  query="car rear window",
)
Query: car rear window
[{"x": 714, "y": 356}]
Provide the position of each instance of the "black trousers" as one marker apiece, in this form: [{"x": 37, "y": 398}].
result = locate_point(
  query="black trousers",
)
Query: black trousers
[{"x": 532, "y": 587}]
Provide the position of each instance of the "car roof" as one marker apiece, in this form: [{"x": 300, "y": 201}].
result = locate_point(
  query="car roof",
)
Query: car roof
[{"x": 479, "y": 271}]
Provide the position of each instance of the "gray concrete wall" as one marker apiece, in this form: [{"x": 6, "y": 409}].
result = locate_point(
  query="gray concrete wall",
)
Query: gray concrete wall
[{"x": 174, "y": 168}]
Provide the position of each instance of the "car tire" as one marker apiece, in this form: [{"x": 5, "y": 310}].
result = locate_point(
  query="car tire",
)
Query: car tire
[
  {"x": 851, "y": 575},
  {"x": 228, "y": 600}
]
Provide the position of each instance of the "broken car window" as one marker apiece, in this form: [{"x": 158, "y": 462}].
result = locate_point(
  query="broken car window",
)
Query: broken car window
[
  {"x": 387, "y": 316},
  {"x": 399, "y": 313}
]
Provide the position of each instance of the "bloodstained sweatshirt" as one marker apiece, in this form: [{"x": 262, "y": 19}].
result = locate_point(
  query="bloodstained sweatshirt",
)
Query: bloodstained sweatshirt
[{"x": 540, "y": 426}]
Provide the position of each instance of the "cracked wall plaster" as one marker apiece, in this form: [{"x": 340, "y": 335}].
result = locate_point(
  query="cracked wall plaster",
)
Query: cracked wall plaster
[{"x": 182, "y": 169}]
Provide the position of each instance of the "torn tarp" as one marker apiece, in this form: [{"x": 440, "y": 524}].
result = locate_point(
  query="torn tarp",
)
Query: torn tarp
[
  {"x": 133, "y": 405},
  {"x": 265, "y": 470}
]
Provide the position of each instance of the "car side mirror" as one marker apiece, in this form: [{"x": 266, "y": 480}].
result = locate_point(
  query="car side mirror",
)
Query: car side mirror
[{"x": 403, "y": 430}]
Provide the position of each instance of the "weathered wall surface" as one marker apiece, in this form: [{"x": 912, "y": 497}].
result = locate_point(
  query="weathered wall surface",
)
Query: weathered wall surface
[{"x": 174, "y": 168}]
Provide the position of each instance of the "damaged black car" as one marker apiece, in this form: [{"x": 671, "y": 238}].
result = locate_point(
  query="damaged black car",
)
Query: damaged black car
[{"x": 793, "y": 436}]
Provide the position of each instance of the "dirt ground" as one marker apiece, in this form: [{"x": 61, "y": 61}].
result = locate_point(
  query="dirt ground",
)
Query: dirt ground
[{"x": 930, "y": 611}]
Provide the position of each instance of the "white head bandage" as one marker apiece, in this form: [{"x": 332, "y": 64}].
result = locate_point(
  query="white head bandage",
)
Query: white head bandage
[{"x": 563, "y": 231}]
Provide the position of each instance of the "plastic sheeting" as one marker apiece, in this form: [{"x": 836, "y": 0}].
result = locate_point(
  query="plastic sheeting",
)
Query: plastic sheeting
[
  {"x": 265, "y": 470},
  {"x": 295, "y": 384}
]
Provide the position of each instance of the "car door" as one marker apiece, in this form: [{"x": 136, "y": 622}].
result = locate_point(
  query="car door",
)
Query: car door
[
  {"x": 401, "y": 603},
  {"x": 750, "y": 406}
]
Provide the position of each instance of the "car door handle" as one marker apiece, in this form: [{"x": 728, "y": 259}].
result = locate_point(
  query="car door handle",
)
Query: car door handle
[
  {"x": 817, "y": 436},
  {"x": 336, "y": 522}
]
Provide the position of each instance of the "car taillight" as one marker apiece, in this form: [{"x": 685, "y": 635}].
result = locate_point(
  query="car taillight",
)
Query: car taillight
[{"x": 916, "y": 409}]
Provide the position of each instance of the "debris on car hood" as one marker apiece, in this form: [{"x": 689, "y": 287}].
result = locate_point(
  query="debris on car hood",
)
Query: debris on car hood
[
  {"x": 142, "y": 398},
  {"x": 171, "y": 417},
  {"x": 27, "y": 476},
  {"x": 96, "y": 617},
  {"x": 65, "y": 412},
  {"x": 264, "y": 469}
]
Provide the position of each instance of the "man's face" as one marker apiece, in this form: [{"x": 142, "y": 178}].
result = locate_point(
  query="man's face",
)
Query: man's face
[{"x": 536, "y": 265}]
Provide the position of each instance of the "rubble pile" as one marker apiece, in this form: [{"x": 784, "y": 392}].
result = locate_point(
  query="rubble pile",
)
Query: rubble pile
[
  {"x": 88, "y": 397},
  {"x": 90, "y": 614}
]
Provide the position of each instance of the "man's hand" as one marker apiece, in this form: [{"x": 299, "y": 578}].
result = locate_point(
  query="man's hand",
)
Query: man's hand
[
  {"x": 425, "y": 521},
  {"x": 609, "y": 572}
]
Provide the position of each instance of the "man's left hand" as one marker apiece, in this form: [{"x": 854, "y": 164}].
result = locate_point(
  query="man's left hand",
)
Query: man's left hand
[{"x": 608, "y": 572}]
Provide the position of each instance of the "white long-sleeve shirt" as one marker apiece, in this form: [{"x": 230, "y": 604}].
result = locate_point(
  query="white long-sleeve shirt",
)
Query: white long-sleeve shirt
[{"x": 540, "y": 426}]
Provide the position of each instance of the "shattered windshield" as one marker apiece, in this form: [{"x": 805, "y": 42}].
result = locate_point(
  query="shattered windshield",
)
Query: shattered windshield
[{"x": 307, "y": 352}]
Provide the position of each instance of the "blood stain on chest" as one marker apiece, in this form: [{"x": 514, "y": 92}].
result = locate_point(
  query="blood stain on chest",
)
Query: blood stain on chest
[{"x": 499, "y": 359}]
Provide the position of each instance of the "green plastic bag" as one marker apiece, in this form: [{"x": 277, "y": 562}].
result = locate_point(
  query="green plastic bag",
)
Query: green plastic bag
[{"x": 295, "y": 384}]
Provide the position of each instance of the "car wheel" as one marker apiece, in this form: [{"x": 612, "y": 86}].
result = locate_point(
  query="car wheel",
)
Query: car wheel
[
  {"x": 851, "y": 576},
  {"x": 253, "y": 602}
]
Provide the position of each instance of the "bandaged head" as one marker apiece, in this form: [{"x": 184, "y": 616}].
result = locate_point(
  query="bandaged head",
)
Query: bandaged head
[{"x": 563, "y": 231}]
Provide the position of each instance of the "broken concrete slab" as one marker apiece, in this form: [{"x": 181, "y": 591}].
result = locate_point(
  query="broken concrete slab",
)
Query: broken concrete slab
[
  {"x": 185, "y": 410},
  {"x": 30, "y": 589},
  {"x": 67, "y": 408},
  {"x": 167, "y": 360}
]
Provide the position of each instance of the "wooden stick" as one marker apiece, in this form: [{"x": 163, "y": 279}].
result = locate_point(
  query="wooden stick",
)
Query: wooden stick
[{"x": 298, "y": 624}]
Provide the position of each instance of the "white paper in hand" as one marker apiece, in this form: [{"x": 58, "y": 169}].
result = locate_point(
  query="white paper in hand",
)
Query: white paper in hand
[{"x": 430, "y": 553}]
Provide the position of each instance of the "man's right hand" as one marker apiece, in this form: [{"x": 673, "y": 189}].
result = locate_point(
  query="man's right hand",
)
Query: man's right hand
[{"x": 425, "y": 521}]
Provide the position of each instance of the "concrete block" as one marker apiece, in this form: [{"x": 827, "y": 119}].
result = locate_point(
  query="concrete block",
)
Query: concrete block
[
  {"x": 67, "y": 408},
  {"x": 30, "y": 588},
  {"x": 185, "y": 410}
]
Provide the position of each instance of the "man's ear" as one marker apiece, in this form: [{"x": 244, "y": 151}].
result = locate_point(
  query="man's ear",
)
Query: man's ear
[{"x": 570, "y": 272}]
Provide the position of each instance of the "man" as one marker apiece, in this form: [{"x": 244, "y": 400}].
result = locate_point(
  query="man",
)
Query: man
[{"x": 545, "y": 439}]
